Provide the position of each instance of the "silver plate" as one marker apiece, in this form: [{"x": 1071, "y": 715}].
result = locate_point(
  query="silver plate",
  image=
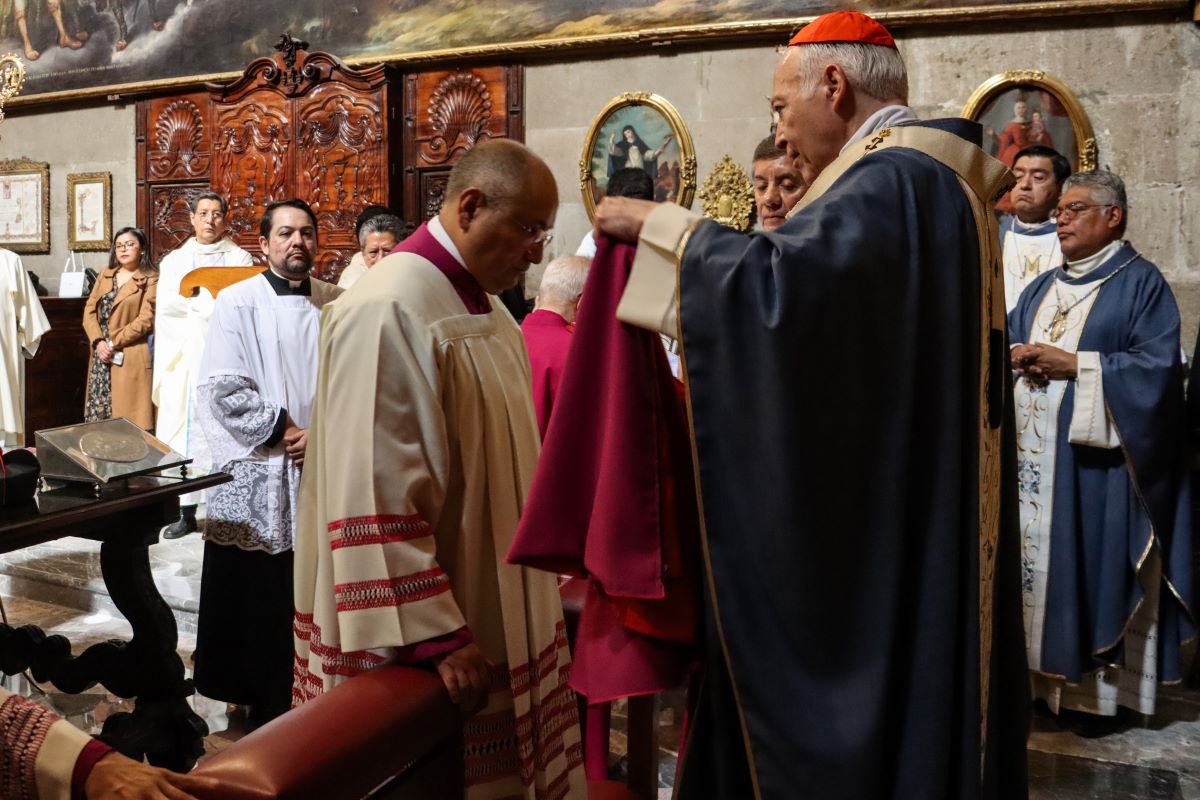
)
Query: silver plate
[{"x": 118, "y": 447}]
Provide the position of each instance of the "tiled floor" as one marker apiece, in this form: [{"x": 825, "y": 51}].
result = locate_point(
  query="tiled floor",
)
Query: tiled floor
[{"x": 58, "y": 588}]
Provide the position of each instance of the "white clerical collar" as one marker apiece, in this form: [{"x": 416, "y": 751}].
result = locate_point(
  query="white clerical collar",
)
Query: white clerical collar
[
  {"x": 439, "y": 234},
  {"x": 219, "y": 246},
  {"x": 885, "y": 117},
  {"x": 1077, "y": 269},
  {"x": 1020, "y": 226}
]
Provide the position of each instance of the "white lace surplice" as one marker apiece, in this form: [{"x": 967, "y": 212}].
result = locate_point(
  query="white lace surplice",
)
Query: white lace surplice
[{"x": 261, "y": 357}]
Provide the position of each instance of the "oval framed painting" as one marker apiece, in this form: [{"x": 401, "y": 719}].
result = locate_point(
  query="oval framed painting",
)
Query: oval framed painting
[
  {"x": 640, "y": 130},
  {"x": 1028, "y": 107}
]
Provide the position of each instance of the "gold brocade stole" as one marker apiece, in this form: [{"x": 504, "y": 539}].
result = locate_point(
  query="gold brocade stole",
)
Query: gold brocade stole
[{"x": 984, "y": 180}]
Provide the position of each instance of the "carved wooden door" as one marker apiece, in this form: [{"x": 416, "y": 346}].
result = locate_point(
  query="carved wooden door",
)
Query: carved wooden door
[{"x": 174, "y": 163}]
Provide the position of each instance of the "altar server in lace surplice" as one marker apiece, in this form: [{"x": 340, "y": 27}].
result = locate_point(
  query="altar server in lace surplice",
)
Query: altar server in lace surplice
[{"x": 253, "y": 400}]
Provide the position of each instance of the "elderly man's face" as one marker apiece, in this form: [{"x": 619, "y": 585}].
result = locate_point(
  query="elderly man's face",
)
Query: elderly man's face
[
  {"x": 377, "y": 245},
  {"x": 1036, "y": 192},
  {"x": 777, "y": 188},
  {"x": 506, "y": 236},
  {"x": 807, "y": 126},
  {"x": 1085, "y": 225}
]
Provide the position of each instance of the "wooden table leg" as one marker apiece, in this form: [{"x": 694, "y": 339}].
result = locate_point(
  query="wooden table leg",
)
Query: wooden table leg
[{"x": 162, "y": 727}]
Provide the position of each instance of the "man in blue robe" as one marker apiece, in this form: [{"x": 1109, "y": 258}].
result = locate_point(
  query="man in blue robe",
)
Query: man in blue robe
[
  {"x": 1102, "y": 459},
  {"x": 847, "y": 379},
  {"x": 1028, "y": 239}
]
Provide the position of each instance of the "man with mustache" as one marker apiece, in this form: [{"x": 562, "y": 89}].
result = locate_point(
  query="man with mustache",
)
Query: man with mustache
[
  {"x": 254, "y": 400},
  {"x": 1103, "y": 468}
]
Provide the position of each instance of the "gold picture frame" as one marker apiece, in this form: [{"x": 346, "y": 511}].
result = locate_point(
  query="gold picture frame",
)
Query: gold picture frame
[
  {"x": 25, "y": 205},
  {"x": 89, "y": 211},
  {"x": 639, "y": 129},
  {"x": 1055, "y": 117}
]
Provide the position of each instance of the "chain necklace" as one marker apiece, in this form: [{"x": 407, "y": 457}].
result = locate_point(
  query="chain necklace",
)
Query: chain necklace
[{"x": 1058, "y": 324}]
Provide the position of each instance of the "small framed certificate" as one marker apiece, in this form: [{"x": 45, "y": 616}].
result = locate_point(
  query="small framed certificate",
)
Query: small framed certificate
[
  {"x": 25, "y": 206},
  {"x": 89, "y": 211}
]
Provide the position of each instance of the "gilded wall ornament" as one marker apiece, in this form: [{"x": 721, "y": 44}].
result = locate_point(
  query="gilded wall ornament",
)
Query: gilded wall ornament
[{"x": 727, "y": 195}]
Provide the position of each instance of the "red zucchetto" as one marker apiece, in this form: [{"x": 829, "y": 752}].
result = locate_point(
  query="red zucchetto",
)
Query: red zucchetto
[{"x": 842, "y": 27}]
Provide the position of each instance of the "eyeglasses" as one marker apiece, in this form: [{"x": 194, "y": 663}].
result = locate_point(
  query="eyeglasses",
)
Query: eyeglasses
[
  {"x": 1071, "y": 210},
  {"x": 537, "y": 235},
  {"x": 126, "y": 245},
  {"x": 211, "y": 215}
]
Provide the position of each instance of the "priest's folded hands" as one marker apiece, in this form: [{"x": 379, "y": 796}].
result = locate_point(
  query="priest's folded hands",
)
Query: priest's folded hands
[{"x": 1042, "y": 363}]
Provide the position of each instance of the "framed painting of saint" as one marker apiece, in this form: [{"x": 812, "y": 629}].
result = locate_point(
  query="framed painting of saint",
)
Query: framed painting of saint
[
  {"x": 1022, "y": 108},
  {"x": 638, "y": 130}
]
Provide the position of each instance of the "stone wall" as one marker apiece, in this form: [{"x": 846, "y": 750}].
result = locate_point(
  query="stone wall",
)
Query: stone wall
[
  {"x": 97, "y": 138},
  {"x": 1137, "y": 76}
]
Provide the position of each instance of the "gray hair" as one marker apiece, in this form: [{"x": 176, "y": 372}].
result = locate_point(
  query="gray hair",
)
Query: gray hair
[
  {"x": 563, "y": 280},
  {"x": 381, "y": 223},
  {"x": 872, "y": 69},
  {"x": 1105, "y": 187}
]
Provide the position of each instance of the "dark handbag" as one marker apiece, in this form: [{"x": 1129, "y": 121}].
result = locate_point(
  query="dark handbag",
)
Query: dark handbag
[{"x": 19, "y": 471}]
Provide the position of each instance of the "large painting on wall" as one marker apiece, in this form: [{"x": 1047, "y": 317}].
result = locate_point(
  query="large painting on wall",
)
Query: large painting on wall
[{"x": 78, "y": 47}]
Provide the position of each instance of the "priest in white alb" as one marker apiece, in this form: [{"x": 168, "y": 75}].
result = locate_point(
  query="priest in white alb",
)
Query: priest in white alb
[
  {"x": 22, "y": 325},
  {"x": 420, "y": 454},
  {"x": 254, "y": 398},
  {"x": 180, "y": 327}
]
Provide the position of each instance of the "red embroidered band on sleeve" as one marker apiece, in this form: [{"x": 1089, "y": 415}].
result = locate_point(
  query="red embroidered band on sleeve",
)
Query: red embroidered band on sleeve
[
  {"x": 388, "y": 592},
  {"x": 379, "y": 529}
]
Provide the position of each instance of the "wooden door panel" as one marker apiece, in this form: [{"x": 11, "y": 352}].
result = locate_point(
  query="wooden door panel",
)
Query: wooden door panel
[
  {"x": 252, "y": 162},
  {"x": 341, "y": 159},
  {"x": 178, "y": 143}
]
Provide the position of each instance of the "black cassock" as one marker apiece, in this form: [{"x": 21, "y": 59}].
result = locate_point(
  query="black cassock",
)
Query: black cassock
[{"x": 833, "y": 369}]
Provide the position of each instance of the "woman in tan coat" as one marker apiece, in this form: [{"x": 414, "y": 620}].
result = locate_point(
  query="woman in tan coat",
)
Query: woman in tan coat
[{"x": 118, "y": 319}]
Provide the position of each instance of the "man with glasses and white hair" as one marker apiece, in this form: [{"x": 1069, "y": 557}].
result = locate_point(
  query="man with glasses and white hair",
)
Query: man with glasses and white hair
[
  {"x": 421, "y": 451},
  {"x": 1103, "y": 478},
  {"x": 847, "y": 377},
  {"x": 548, "y": 327}
]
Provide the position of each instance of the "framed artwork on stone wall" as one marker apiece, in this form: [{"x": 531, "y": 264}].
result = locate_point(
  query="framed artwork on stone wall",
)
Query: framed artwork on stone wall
[
  {"x": 1027, "y": 107},
  {"x": 75, "y": 48},
  {"x": 644, "y": 131},
  {"x": 89, "y": 211},
  {"x": 25, "y": 206}
]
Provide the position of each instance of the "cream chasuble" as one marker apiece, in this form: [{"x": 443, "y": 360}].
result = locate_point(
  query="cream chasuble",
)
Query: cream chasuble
[
  {"x": 420, "y": 454},
  {"x": 22, "y": 325}
]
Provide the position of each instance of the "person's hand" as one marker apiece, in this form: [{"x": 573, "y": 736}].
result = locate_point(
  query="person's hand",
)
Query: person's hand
[
  {"x": 295, "y": 442},
  {"x": 104, "y": 351},
  {"x": 612, "y": 137},
  {"x": 465, "y": 673},
  {"x": 1042, "y": 363},
  {"x": 117, "y": 777},
  {"x": 622, "y": 217}
]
